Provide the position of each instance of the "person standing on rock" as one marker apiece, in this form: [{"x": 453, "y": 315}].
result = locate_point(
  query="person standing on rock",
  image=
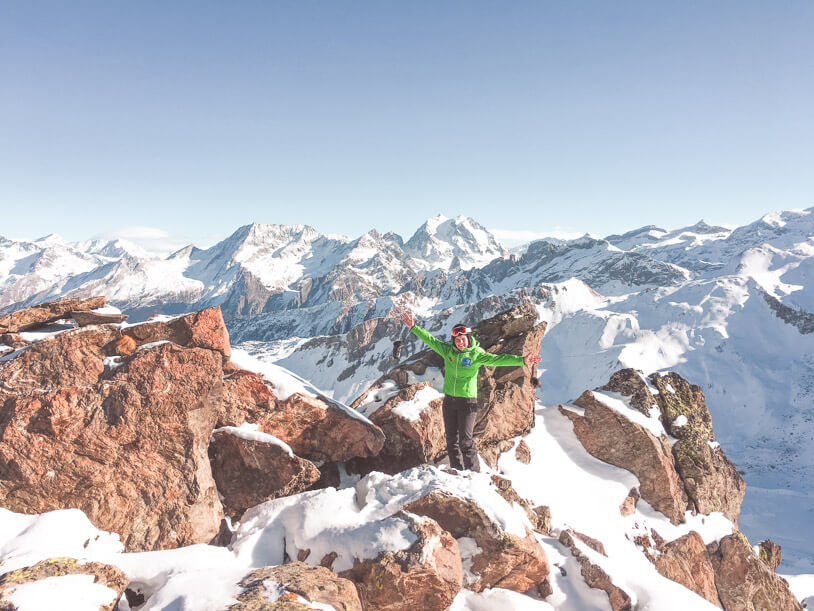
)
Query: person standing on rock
[{"x": 462, "y": 360}]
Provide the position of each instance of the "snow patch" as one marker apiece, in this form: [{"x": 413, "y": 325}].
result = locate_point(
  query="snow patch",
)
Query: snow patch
[
  {"x": 620, "y": 404},
  {"x": 468, "y": 549},
  {"x": 412, "y": 409},
  {"x": 112, "y": 362},
  {"x": 282, "y": 381},
  {"x": 153, "y": 344},
  {"x": 75, "y": 593}
]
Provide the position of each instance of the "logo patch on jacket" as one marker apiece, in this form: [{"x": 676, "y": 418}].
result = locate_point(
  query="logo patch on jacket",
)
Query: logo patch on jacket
[{"x": 466, "y": 362}]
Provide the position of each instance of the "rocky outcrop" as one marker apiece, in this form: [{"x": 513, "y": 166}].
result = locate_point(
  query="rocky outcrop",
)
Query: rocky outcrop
[
  {"x": 540, "y": 517},
  {"x": 44, "y": 313},
  {"x": 413, "y": 424},
  {"x": 705, "y": 476},
  {"x": 125, "y": 442},
  {"x": 629, "y": 382},
  {"x": 505, "y": 394},
  {"x": 282, "y": 587},
  {"x": 745, "y": 582},
  {"x": 314, "y": 427},
  {"x": 491, "y": 453},
  {"x": 250, "y": 470},
  {"x": 711, "y": 480},
  {"x": 770, "y": 553},
  {"x": 500, "y": 559},
  {"x": 685, "y": 561},
  {"x": 204, "y": 329},
  {"x": 592, "y": 573},
  {"x": 428, "y": 575},
  {"x": 543, "y": 522},
  {"x": 802, "y": 320},
  {"x": 522, "y": 453},
  {"x": 628, "y": 506},
  {"x": 103, "y": 575},
  {"x": 613, "y": 438},
  {"x": 85, "y": 319}
]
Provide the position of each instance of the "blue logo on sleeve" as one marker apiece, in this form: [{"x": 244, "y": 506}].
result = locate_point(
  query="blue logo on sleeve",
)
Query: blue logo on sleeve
[{"x": 466, "y": 362}]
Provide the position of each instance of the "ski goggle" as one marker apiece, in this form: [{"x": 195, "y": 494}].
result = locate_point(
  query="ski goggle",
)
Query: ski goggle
[{"x": 460, "y": 330}]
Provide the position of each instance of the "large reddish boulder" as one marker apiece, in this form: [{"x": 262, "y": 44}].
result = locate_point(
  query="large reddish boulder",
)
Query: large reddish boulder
[
  {"x": 291, "y": 584},
  {"x": 593, "y": 574},
  {"x": 506, "y": 394},
  {"x": 610, "y": 436},
  {"x": 315, "y": 427},
  {"x": 204, "y": 329},
  {"x": 250, "y": 469},
  {"x": 44, "y": 313},
  {"x": 246, "y": 398},
  {"x": 428, "y": 575},
  {"x": 744, "y": 581},
  {"x": 494, "y": 558},
  {"x": 125, "y": 442},
  {"x": 413, "y": 424},
  {"x": 73, "y": 358},
  {"x": 685, "y": 561},
  {"x": 104, "y": 575},
  {"x": 711, "y": 480}
]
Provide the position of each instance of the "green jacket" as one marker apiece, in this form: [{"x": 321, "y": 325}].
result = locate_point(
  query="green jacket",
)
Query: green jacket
[{"x": 461, "y": 366}]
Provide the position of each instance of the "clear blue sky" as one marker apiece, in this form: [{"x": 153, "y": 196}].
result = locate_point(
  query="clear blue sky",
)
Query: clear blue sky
[{"x": 198, "y": 117}]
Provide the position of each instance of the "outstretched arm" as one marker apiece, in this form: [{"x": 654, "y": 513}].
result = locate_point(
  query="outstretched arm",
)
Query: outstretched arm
[
  {"x": 435, "y": 344},
  {"x": 507, "y": 360}
]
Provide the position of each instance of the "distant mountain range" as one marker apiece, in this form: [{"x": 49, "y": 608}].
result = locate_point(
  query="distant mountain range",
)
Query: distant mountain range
[
  {"x": 259, "y": 268},
  {"x": 275, "y": 268}
]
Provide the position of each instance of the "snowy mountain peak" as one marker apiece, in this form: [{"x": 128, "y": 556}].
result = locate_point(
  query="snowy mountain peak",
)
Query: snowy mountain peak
[
  {"x": 259, "y": 240},
  {"x": 440, "y": 240},
  {"x": 702, "y": 227},
  {"x": 184, "y": 253},
  {"x": 781, "y": 217},
  {"x": 114, "y": 249},
  {"x": 51, "y": 239},
  {"x": 261, "y": 234},
  {"x": 432, "y": 224}
]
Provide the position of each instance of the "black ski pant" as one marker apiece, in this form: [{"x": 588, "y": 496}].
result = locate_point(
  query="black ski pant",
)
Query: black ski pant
[{"x": 459, "y": 423}]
